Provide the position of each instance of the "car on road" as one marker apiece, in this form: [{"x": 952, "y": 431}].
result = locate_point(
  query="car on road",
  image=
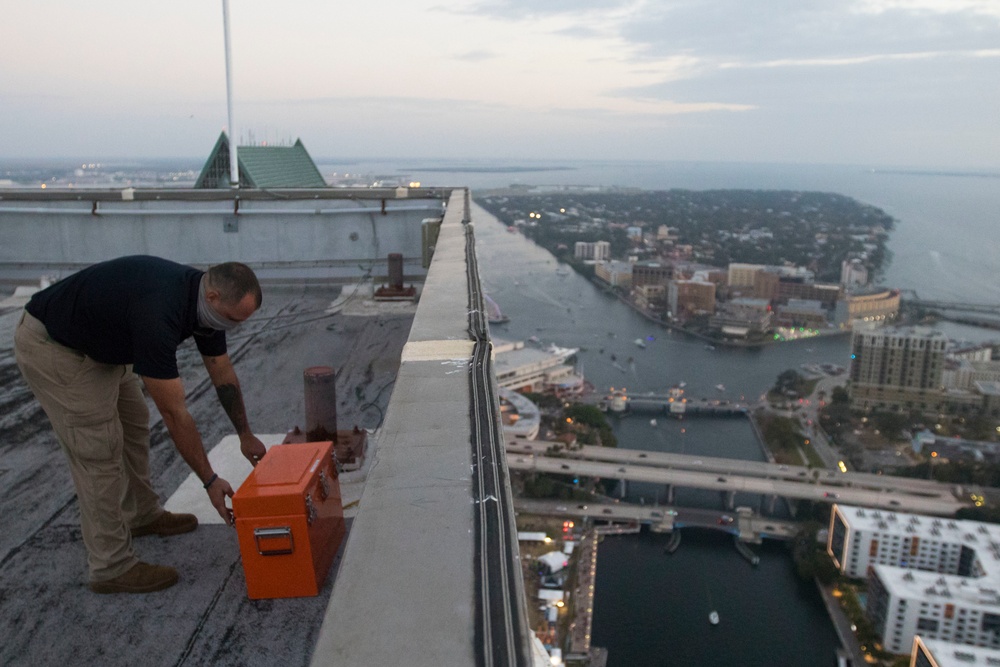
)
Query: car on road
[
  {"x": 621, "y": 470},
  {"x": 720, "y": 479},
  {"x": 725, "y": 520},
  {"x": 606, "y": 510},
  {"x": 830, "y": 494},
  {"x": 894, "y": 502},
  {"x": 581, "y": 507},
  {"x": 564, "y": 467}
]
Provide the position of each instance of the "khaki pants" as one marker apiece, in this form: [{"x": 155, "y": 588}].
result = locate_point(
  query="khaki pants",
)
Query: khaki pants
[{"x": 101, "y": 420}]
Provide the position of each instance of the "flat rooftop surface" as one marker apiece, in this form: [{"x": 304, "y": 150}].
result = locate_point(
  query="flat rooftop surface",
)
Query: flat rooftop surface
[{"x": 47, "y": 614}]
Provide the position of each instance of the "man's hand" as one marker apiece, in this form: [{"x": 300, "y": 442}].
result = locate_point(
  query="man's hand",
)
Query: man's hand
[
  {"x": 252, "y": 448},
  {"x": 217, "y": 493}
]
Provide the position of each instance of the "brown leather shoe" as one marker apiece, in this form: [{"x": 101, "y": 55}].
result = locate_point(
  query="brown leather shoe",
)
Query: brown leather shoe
[
  {"x": 141, "y": 578},
  {"x": 167, "y": 523}
]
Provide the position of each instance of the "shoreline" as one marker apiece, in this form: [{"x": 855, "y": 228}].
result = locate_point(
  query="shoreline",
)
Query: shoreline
[{"x": 745, "y": 345}]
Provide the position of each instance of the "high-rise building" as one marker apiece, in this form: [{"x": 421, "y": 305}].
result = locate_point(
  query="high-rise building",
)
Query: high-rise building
[
  {"x": 897, "y": 368},
  {"x": 651, "y": 273},
  {"x": 598, "y": 250},
  {"x": 690, "y": 297},
  {"x": 938, "y": 578},
  {"x": 936, "y": 653},
  {"x": 742, "y": 275},
  {"x": 853, "y": 273}
]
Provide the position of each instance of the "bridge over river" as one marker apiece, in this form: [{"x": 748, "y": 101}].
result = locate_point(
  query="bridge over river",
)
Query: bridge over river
[
  {"x": 675, "y": 406},
  {"x": 729, "y": 476}
]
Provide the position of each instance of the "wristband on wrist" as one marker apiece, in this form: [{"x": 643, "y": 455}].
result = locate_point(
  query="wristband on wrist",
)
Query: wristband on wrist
[{"x": 211, "y": 480}]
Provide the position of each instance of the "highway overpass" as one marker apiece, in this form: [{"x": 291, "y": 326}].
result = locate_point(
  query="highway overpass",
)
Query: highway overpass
[{"x": 732, "y": 475}]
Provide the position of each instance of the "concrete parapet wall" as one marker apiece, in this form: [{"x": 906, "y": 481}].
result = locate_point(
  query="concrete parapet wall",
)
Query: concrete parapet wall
[{"x": 308, "y": 237}]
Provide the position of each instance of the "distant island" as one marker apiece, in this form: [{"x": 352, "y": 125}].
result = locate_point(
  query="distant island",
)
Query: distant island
[
  {"x": 739, "y": 267},
  {"x": 486, "y": 170}
]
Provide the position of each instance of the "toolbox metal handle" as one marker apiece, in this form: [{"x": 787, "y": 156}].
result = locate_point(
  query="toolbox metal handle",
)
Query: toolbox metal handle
[{"x": 282, "y": 543}]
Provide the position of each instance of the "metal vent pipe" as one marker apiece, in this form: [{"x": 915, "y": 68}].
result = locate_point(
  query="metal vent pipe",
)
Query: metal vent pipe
[{"x": 321, "y": 403}]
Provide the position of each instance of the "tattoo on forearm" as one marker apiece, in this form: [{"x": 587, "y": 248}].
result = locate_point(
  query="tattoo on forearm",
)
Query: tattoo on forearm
[{"x": 232, "y": 402}]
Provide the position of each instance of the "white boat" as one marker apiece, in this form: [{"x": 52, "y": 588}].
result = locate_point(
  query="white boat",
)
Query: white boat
[
  {"x": 640, "y": 343},
  {"x": 682, "y": 384},
  {"x": 713, "y": 617},
  {"x": 652, "y": 422},
  {"x": 720, "y": 387}
]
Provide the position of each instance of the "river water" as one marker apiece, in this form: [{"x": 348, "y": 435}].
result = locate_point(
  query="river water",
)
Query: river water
[{"x": 650, "y": 608}]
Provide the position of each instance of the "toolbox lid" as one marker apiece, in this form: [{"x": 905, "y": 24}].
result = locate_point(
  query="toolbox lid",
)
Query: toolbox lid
[{"x": 279, "y": 483}]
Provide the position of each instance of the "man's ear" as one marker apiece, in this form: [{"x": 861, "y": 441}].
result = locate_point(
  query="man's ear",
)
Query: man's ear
[{"x": 212, "y": 295}]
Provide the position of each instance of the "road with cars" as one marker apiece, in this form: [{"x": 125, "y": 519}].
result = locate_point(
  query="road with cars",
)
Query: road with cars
[{"x": 733, "y": 475}]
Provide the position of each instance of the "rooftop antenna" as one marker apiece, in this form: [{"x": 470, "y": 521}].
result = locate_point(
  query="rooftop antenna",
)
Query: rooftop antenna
[{"x": 234, "y": 167}]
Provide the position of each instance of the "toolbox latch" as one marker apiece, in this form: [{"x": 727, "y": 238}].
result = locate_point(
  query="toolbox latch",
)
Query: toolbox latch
[
  {"x": 275, "y": 541},
  {"x": 324, "y": 485},
  {"x": 310, "y": 509}
]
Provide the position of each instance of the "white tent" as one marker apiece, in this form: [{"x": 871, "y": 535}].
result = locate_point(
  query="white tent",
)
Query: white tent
[{"x": 555, "y": 560}]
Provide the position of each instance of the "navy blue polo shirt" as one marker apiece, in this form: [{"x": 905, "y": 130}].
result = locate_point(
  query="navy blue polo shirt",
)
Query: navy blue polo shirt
[{"x": 131, "y": 310}]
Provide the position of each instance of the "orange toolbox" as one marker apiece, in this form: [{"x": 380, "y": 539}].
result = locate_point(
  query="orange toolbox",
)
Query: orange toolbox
[{"x": 289, "y": 520}]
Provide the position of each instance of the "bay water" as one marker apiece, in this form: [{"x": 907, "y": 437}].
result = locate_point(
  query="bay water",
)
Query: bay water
[{"x": 652, "y": 608}]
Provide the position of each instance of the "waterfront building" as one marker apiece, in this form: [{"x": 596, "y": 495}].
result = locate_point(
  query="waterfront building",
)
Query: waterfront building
[
  {"x": 802, "y": 313},
  {"x": 649, "y": 272},
  {"x": 687, "y": 298},
  {"x": 615, "y": 273},
  {"x": 876, "y": 305},
  {"x": 937, "y": 653},
  {"x": 898, "y": 368},
  {"x": 598, "y": 251},
  {"x": 930, "y": 576},
  {"x": 522, "y": 368},
  {"x": 798, "y": 287},
  {"x": 741, "y": 318},
  {"x": 650, "y": 298}
]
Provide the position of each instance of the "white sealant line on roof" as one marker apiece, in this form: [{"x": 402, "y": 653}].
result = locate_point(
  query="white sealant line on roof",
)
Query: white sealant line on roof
[{"x": 437, "y": 350}]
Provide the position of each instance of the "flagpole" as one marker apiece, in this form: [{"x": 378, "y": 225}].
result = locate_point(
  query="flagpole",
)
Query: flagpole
[{"x": 234, "y": 167}]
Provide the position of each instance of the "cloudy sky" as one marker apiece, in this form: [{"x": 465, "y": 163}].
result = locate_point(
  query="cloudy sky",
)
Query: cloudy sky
[{"x": 880, "y": 82}]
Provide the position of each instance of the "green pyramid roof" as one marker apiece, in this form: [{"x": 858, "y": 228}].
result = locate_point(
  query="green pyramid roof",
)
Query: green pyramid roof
[{"x": 261, "y": 167}]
